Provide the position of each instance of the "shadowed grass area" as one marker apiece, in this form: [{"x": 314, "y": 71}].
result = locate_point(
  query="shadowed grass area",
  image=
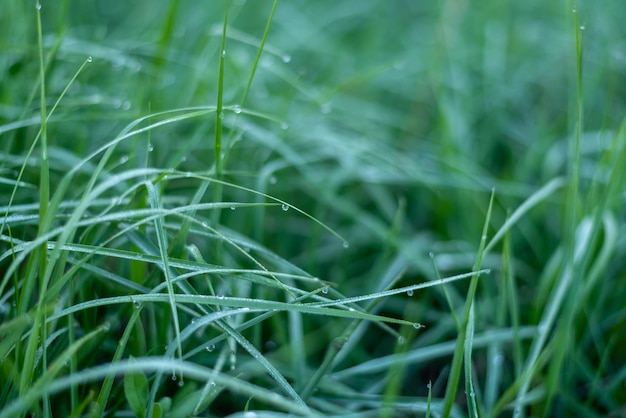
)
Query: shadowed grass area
[{"x": 264, "y": 209}]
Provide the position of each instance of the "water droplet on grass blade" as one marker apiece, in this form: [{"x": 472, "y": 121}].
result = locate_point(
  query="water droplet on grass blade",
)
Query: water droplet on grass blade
[
  {"x": 325, "y": 290},
  {"x": 284, "y": 125},
  {"x": 582, "y": 27},
  {"x": 285, "y": 207},
  {"x": 409, "y": 292},
  {"x": 237, "y": 109},
  {"x": 89, "y": 59},
  {"x": 223, "y": 52},
  {"x": 345, "y": 244},
  {"x": 417, "y": 325},
  {"x": 123, "y": 159},
  {"x": 38, "y": 6},
  {"x": 286, "y": 58},
  {"x": 273, "y": 180},
  {"x": 233, "y": 208},
  {"x": 210, "y": 348}
]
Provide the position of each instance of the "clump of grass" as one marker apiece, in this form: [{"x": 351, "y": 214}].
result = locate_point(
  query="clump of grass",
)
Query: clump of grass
[{"x": 262, "y": 209}]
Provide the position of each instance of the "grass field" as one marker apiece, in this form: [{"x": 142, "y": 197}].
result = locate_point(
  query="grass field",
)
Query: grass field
[{"x": 360, "y": 208}]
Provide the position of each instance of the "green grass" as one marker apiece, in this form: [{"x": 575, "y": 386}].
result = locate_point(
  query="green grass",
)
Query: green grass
[{"x": 351, "y": 209}]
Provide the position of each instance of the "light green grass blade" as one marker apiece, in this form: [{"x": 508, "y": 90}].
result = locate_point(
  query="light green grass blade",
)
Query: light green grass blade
[
  {"x": 457, "y": 359},
  {"x": 154, "y": 364},
  {"x": 153, "y": 199}
]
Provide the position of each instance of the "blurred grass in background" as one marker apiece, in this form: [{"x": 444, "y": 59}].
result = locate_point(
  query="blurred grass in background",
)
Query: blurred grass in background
[{"x": 388, "y": 122}]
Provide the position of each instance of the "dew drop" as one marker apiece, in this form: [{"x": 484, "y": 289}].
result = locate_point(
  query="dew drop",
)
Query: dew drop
[
  {"x": 345, "y": 244},
  {"x": 233, "y": 208},
  {"x": 429, "y": 385},
  {"x": 574, "y": 9},
  {"x": 273, "y": 180},
  {"x": 174, "y": 377},
  {"x": 181, "y": 384},
  {"x": 401, "y": 340},
  {"x": 213, "y": 384},
  {"x": 220, "y": 297},
  {"x": 38, "y": 6},
  {"x": 210, "y": 348},
  {"x": 582, "y": 27},
  {"x": 123, "y": 159},
  {"x": 325, "y": 290},
  {"x": 409, "y": 292},
  {"x": 150, "y": 148},
  {"x": 285, "y": 207},
  {"x": 89, "y": 59},
  {"x": 106, "y": 326},
  {"x": 237, "y": 109},
  {"x": 497, "y": 359},
  {"x": 284, "y": 125},
  {"x": 431, "y": 254},
  {"x": 223, "y": 52},
  {"x": 194, "y": 320},
  {"x": 417, "y": 325},
  {"x": 325, "y": 108},
  {"x": 286, "y": 58},
  {"x": 221, "y": 115}
]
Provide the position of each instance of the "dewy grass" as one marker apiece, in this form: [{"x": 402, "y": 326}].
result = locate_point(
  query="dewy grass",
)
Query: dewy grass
[{"x": 174, "y": 218}]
